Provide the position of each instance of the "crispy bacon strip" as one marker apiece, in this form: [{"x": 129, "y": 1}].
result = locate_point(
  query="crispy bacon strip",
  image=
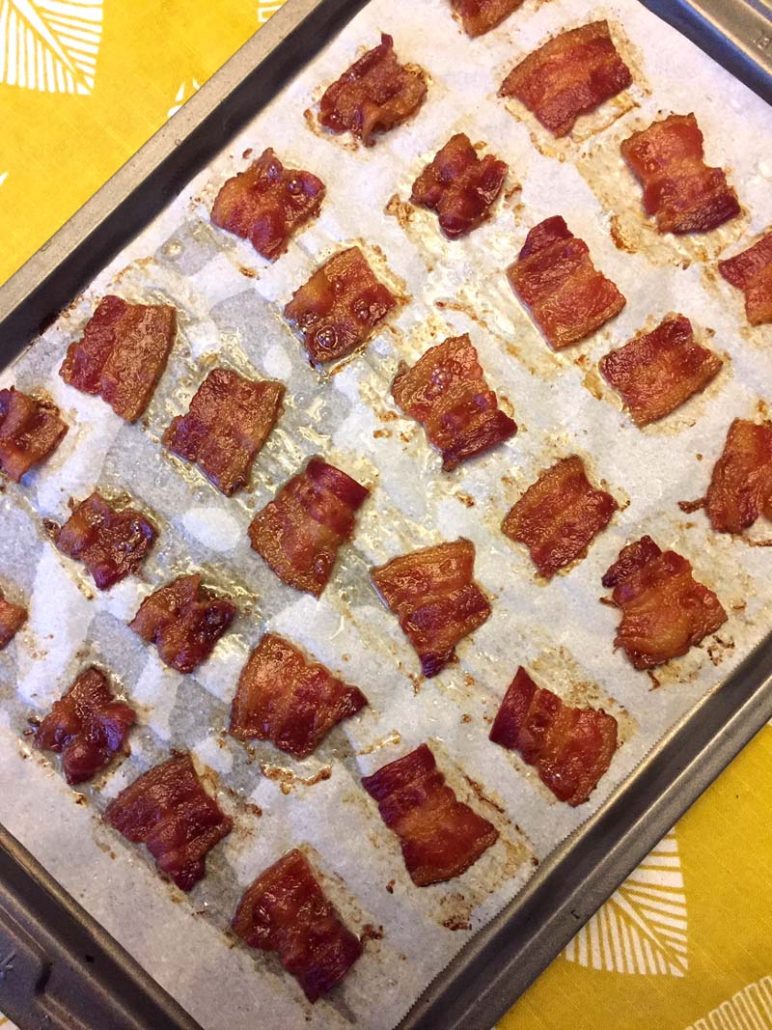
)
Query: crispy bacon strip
[
  {"x": 440, "y": 836},
  {"x": 229, "y": 420},
  {"x": 664, "y": 609},
  {"x": 376, "y": 94},
  {"x": 460, "y": 186},
  {"x": 300, "y": 531},
  {"x": 554, "y": 275},
  {"x": 571, "y": 748},
  {"x": 657, "y": 372},
  {"x": 285, "y": 910},
  {"x": 447, "y": 393},
  {"x": 122, "y": 354},
  {"x": 751, "y": 272},
  {"x": 268, "y": 203},
  {"x": 111, "y": 542},
  {"x": 168, "y": 810},
  {"x": 435, "y": 598},
  {"x": 30, "y": 431},
  {"x": 184, "y": 620},
  {"x": 568, "y": 76},
  {"x": 12, "y": 618},
  {"x": 480, "y": 16},
  {"x": 741, "y": 485},
  {"x": 679, "y": 189},
  {"x": 559, "y": 516},
  {"x": 88, "y": 726}
]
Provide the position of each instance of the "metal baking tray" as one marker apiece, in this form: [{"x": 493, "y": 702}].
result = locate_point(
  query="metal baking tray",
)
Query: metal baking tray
[{"x": 58, "y": 967}]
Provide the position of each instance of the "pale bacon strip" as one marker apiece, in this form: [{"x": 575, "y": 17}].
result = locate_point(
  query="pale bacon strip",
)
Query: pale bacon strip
[
  {"x": 30, "y": 431},
  {"x": 12, "y": 618},
  {"x": 741, "y": 485},
  {"x": 751, "y": 272},
  {"x": 480, "y": 16}
]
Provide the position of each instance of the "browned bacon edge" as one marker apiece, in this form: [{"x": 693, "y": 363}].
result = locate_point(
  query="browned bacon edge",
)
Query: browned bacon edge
[{"x": 30, "y": 431}]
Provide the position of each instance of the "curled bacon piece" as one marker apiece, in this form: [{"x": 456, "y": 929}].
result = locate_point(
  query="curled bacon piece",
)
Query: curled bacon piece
[
  {"x": 657, "y": 372},
  {"x": 571, "y": 748},
  {"x": 285, "y": 910},
  {"x": 12, "y": 618},
  {"x": 440, "y": 836},
  {"x": 300, "y": 531},
  {"x": 679, "y": 189},
  {"x": 480, "y": 16},
  {"x": 568, "y": 76},
  {"x": 664, "y": 609},
  {"x": 184, "y": 620},
  {"x": 374, "y": 95},
  {"x": 559, "y": 516},
  {"x": 87, "y": 726},
  {"x": 751, "y": 272},
  {"x": 30, "y": 431},
  {"x": 111, "y": 542},
  {"x": 460, "y": 186},
  {"x": 229, "y": 420},
  {"x": 268, "y": 203},
  {"x": 554, "y": 275},
  {"x": 122, "y": 354},
  {"x": 168, "y": 810},
  {"x": 435, "y": 598},
  {"x": 741, "y": 485},
  {"x": 446, "y": 391}
]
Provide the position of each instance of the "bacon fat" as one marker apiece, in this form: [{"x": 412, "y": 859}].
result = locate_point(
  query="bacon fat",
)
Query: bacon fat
[
  {"x": 30, "y": 431},
  {"x": 741, "y": 485},
  {"x": 480, "y": 16}
]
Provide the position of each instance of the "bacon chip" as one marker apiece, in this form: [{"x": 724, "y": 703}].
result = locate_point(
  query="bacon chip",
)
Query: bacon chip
[
  {"x": 285, "y": 910},
  {"x": 480, "y": 16},
  {"x": 30, "y": 431},
  {"x": 12, "y": 618},
  {"x": 571, "y": 748},
  {"x": 446, "y": 392},
  {"x": 122, "y": 354},
  {"x": 751, "y": 272},
  {"x": 554, "y": 275},
  {"x": 679, "y": 189},
  {"x": 374, "y": 95},
  {"x": 741, "y": 485}
]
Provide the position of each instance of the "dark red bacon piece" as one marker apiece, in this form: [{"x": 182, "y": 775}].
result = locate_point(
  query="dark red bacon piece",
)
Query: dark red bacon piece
[
  {"x": 751, "y": 272},
  {"x": 479, "y": 16},
  {"x": 268, "y": 203},
  {"x": 571, "y": 748},
  {"x": 460, "y": 186},
  {"x": 12, "y": 618},
  {"x": 285, "y": 910},
  {"x": 664, "y": 609},
  {"x": 440, "y": 836},
  {"x": 169, "y": 811},
  {"x": 435, "y": 598},
  {"x": 374, "y": 95},
  {"x": 679, "y": 189},
  {"x": 570, "y": 75},
  {"x": 122, "y": 354},
  {"x": 184, "y": 620},
  {"x": 657, "y": 372},
  {"x": 229, "y": 420},
  {"x": 446, "y": 392},
  {"x": 30, "y": 431},
  {"x": 300, "y": 531},
  {"x": 741, "y": 485},
  {"x": 559, "y": 516},
  {"x": 87, "y": 726},
  {"x": 111, "y": 542},
  {"x": 554, "y": 275}
]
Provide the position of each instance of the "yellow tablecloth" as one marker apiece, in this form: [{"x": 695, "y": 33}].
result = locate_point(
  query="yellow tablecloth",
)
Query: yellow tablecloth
[{"x": 687, "y": 942}]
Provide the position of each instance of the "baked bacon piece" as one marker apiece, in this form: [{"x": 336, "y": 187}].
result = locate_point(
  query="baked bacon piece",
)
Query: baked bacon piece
[
  {"x": 679, "y": 189},
  {"x": 339, "y": 306},
  {"x": 300, "y": 531},
  {"x": 570, "y": 75},
  {"x": 374, "y": 95},
  {"x": 111, "y": 542},
  {"x": 285, "y": 910},
  {"x": 571, "y": 748},
  {"x": 741, "y": 485},
  {"x": 460, "y": 186},
  {"x": 559, "y": 516},
  {"x": 184, "y": 620},
  {"x": 447, "y": 393},
  {"x": 168, "y": 810},
  {"x": 122, "y": 354},
  {"x": 480, "y": 16},
  {"x": 87, "y": 726},
  {"x": 228, "y": 421},
  {"x": 751, "y": 272},
  {"x": 440, "y": 836},
  {"x": 554, "y": 275},
  {"x": 657, "y": 372},
  {"x": 12, "y": 618},
  {"x": 435, "y": 598},
  {"x": 30, "y": 431},
  {"x": 664, "y": 609}
]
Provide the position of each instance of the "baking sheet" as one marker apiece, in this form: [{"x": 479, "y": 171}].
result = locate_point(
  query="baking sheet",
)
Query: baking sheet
[{"x": 230, "y": 305}]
